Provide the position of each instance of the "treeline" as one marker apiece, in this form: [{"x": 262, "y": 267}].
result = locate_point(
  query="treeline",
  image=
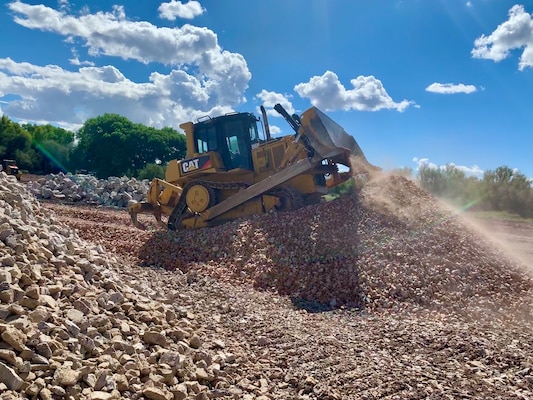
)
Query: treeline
[
  {"x": 108, "y": 145},
  {"x": 503, "y": 189}
]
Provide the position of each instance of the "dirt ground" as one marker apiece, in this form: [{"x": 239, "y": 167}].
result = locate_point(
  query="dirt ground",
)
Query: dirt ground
[{"x": 514, "y": 238}]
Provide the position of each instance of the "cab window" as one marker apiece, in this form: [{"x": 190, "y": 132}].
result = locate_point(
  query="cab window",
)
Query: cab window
[
  {"x": 206, "y": 139},
  {"x": 237, "y": 145}
]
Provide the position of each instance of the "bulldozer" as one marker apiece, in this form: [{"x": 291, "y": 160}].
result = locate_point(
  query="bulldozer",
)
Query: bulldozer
[
  {"x": 231, "y": 172},
  {"x": 10, "y": 167}
]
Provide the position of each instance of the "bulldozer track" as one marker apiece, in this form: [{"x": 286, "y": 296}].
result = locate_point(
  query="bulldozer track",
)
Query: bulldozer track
[
  {"x": 179, "y": 212},
  {"x": 291, "y": 194}
]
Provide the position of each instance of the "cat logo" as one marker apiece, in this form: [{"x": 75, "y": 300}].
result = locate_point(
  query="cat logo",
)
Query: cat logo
[
  {"x": 190, "y": 165},
  {"x": 195, "y": 164}
]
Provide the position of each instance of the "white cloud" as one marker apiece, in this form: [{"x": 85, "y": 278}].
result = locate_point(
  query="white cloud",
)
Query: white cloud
[
  {"x": 75, "y": 60},
  {"x": 112, "y": 34},
  {"x": 469, "y": 4},
  {"x": 270, "y": 99},
  {"x": 327, "y": 93},
  {"x": 176, "y": 9},
  {"x": 424, "y": 162},
  {"x": 275, "y": 130},
  {"x": 63, "y": 5},
  {"x": 204, "y": 78},
  {"x": 473, "y": 170},
  {"x": 53, "y": 94},
  {"x": 450, "y": 88},
  {"x": 515, "y": 33}
]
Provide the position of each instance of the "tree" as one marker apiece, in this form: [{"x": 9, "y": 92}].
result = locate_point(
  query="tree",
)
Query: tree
[
  {"x": 509, "y": 190},
  {"x": 451, "y": 184},
  {"x": 52, "y": 146},
  {"x": 41, "y": 133},
  {"x": 432, "y": 179},
  {"x": 112, "y": 145},
  {"x": 15, "y": 143},
  {"x": 151, "y": 171}
]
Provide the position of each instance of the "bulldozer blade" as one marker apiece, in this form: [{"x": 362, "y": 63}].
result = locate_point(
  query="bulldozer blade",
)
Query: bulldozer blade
[{"x": 329, "y": 139}]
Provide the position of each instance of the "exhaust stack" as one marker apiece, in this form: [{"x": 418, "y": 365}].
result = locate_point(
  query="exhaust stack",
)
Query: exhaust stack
[{"x": 265, "y": 121}]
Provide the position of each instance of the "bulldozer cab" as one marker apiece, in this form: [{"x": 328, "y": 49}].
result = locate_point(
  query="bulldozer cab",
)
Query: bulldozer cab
[{"x": 231, "y": 136}]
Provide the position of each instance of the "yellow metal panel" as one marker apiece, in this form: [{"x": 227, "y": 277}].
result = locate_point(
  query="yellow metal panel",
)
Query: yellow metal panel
[
  {"x": 188, "y": 127},
  {"x": 172, "y": 174}
]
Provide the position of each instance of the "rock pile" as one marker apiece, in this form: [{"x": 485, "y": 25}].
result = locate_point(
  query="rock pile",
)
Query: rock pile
[
  {"x": 71, "y": 328},
  {"x": 391, "y": 247},
  {"x": 411, "y": 341},
  {"x": 88, "y": 189}
]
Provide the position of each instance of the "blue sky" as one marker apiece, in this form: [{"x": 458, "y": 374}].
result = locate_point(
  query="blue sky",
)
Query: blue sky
[{"x": 414, "y": 81}]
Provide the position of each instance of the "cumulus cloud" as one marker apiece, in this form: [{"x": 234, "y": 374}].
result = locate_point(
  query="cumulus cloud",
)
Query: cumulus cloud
[
  {"x": 203, "y": 78},
  {"x": 473, "y": 170},
  {"x": 270, "y": 99},
  {"x": 451, "y": 88},
  {"x": 368, "y": 94},
  {"x": 51, "y": 93},
  {"x": 176, "y": 9},
  {"x": 515, "y": 33},
  {"x": 111, "y": 34}
]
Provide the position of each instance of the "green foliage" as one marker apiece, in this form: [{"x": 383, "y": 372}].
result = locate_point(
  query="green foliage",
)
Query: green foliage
[
  {"x": 151, "y": 171},
  {"x": 450, "y": 183},
  {"x": 39, "y": 149},
  {"x": 503, "y": 190},
  {"x": 506, "y": 189},
  {"x": 347, "y": 187},
  {"x": 52, "y": 147},
  {"x": 15, "y": 143},
  {"x": 42, "y": 133},
  {"x": 111, "y": 145}
]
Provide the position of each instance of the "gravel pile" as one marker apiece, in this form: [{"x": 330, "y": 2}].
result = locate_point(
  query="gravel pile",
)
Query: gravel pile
[
  {"x": 79, "y": 188},
  {"x": 391, "y": 348},
  {"x": 390, "y": 247},
  {"x": 433, "y": 311},
  {"x": 71, "y": 328}
]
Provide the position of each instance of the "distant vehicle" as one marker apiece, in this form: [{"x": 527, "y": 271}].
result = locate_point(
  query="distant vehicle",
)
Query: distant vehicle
[{"x": 10, "y": 167}]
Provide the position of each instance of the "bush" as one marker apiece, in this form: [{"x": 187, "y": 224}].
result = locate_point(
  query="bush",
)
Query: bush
[
  {"x": 151, "y": 171},
  {"x": 347, "y": 187}
]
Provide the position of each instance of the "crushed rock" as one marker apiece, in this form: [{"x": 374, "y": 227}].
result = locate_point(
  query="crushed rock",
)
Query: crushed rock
[{"x": 462, "y": 331}]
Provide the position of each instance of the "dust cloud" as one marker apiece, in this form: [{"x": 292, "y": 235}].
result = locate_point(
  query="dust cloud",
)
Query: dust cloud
[{"x": 514, "y": 239}]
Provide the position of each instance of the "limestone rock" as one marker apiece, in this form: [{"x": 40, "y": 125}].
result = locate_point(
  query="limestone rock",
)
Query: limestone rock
[{"x": 9, "y": 377}]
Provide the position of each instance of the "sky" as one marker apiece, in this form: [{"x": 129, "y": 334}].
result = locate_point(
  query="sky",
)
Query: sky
[{"x": 416, "y": 82}]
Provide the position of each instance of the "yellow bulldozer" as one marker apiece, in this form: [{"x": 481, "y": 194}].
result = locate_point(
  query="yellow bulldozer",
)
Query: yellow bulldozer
[{"x": 230, "y": 172}]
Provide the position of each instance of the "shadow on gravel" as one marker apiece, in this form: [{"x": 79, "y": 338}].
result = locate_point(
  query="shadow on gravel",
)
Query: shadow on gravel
[{"x": 314, "y": 255}]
